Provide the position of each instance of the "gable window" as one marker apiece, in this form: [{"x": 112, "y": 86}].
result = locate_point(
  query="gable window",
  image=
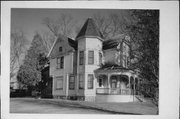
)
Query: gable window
[
  {"x": 81, "y": 57},
  {"x": 81, "y": 81},
  {"x": 90, "y": 81},
  {"x": 60, "y": 63},
  {"x": 60, "y": 49},
  {"x": 90, "y": 57},
  {"x": 59, "y": 83},
  {"x": 71, "y": 82}
]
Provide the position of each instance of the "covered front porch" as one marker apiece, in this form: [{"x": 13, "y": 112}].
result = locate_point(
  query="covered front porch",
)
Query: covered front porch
[{"x": 116, "y": 85}]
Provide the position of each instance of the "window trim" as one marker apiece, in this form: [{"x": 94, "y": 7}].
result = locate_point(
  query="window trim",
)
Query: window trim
[
  {"x": 91, "y": 57},
  {"x": 60, "y": 49},
  {"x": 59, "y": 79},
  {"x": 81, "y": 81},
  {"x": 71, "y": 82},
  {"x": 81, "y": 57},
  {"x": 100, "y": 58},
  {"x": 62, "y": 62},
  {"x": 58, "y": 63},
  {"x": 90, "y": 81},
  {"x": 100, "y": 82}
]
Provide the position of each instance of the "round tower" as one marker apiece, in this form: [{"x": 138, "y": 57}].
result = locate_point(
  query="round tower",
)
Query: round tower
[{"x": 89, "y": 58}]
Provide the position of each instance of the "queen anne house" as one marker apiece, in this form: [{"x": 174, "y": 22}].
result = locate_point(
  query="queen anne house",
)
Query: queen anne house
[{"x": 92, "y": 69}]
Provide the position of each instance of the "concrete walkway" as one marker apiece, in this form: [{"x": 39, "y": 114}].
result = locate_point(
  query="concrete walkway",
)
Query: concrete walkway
[{"x": 136, "y": 108}]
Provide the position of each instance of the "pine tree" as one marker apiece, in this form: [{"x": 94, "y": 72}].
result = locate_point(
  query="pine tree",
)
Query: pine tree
[{"x": 29, "y": 73}]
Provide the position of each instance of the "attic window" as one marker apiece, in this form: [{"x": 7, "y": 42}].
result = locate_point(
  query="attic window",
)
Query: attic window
[{"x": 60, "y": 49}]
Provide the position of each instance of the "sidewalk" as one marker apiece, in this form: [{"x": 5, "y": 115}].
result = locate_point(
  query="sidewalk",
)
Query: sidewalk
[{"x": 135, "y": 108}]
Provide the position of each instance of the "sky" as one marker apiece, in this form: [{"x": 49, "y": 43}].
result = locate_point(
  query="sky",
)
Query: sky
[{"x": 30, "y": 20}]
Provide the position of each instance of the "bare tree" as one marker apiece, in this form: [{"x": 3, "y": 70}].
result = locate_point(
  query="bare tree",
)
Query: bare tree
[
  {"x": 48, "y": 40},
  {"x": 112, "y": 25},
  {"x": 103, "y": 24},
  {"x": 63, "y": 25},
  {"x": 18, "y": 49}
]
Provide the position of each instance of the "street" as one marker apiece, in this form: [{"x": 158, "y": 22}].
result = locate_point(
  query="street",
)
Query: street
[{"x": 33, "y": 106}]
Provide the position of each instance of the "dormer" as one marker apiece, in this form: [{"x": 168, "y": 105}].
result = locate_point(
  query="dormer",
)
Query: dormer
[{"x": 117, "y": 51}]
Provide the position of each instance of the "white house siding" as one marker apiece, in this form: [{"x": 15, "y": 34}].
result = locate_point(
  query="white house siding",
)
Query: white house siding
[
  {"x": 80, "y": 68},
  {"x": 95, "y": 45},
  {"x": 65, "y": 72}
]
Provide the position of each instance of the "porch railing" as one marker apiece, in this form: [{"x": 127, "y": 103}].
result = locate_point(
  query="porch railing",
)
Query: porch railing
[{"x": 115, "y": 91}]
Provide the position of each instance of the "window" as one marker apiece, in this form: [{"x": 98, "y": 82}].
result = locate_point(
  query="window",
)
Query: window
[
  {"x": 100, "y": 58},
  {"x": 125, "y": 61},
  {"x": 59, "y": 83},
  {"x": 60, "y": 49},
  {"x": 71, "y": 82},
  {"x": 81, "y": 57},
  {"x": 60, "y": 62},
  {"x": 90, "y": 57},
  {"x": 81, "y": 81},
  {"x": 128, "y": 61},
  {"x": 90, "y": 81},
  {"x": 100, "y": 82}
]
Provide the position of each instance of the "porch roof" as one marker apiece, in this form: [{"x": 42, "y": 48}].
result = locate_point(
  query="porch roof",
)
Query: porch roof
[{"x": 114, "y": 69}]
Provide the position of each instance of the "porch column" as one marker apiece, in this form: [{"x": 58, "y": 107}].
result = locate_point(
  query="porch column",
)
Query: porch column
[
  {"x": 129, "y": 84},
  {"x": 67, "y": 85},
  {"x": 134, "y": 87},
  {"x": 108, "y": 76}
]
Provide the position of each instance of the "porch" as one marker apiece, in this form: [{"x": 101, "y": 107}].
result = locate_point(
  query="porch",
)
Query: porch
[
  {"x": 116, "y": 85},
  {"x": 115, "y": 91}
]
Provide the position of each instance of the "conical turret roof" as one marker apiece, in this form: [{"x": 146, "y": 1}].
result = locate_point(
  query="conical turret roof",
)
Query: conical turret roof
[{"x": 89, "y": 29}]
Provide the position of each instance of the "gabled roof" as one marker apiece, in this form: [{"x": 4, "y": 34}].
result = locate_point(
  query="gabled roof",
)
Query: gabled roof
[
  {"x": 89, "y": 29},
  {"x": 71, "y": 43}
]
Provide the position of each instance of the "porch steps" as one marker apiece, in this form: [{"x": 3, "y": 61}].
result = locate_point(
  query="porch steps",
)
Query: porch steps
[{"x": 140, "y": 99}]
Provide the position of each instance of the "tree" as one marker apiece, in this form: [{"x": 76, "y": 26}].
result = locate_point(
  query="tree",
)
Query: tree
[
  {"x": 29, "y": 73},
  {"x": 18, "y": 48},
  {"x": 145, "y": 35},
  {"x": 63, "y": 25},
  {"x": 48, "y": 40},
  {"x": 113, "y": 25},
  {"x": 103, "y": 24}
]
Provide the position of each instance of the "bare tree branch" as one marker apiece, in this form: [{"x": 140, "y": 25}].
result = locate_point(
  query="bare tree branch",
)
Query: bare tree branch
[{"x": 18, "y": 49}]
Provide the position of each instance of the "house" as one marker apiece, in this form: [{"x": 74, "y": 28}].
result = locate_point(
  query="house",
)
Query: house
[{"x": 91, "y": 69}]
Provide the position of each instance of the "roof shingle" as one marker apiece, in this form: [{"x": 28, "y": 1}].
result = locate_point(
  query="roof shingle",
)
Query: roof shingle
[{"x": 89, "y": 29}]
